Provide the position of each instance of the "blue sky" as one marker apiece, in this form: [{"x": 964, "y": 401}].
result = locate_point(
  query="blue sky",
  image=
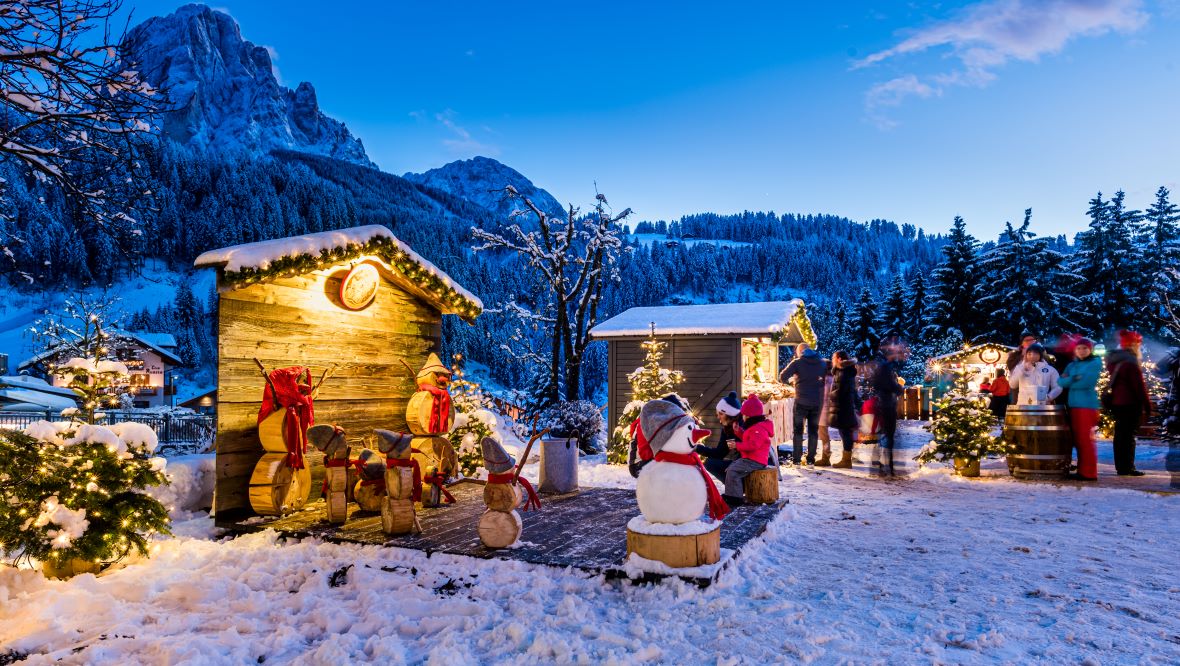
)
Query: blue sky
[{"x": 906, "y": 111}]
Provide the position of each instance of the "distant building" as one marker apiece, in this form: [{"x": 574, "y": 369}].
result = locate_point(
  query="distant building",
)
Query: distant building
[
  {"x": 150, "y": 359},
  {"x": 33, "y": 394},
  {"x": 205, "y": 403}
]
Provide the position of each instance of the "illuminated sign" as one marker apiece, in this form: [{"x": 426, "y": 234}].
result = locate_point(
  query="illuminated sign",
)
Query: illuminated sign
[{"x": 359, "y": 287}]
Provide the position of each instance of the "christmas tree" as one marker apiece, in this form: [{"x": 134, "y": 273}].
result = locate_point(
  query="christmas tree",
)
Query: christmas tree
[
  {"x": 961, "y": 427},
  {"x": 473, "y": 420},
  {"x": 647, "y": 383}
]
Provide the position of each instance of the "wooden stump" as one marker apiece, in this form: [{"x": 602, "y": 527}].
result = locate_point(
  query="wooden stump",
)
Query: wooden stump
[
  {"x": 275, "y": 488},
  {"x": 399, "y": 482},
  {"x": 369, "y": 497},
  {"x": 502, "y": 496},
  {"x": 69, "y": 568},
  {"x": 418, "y": 415},
  {"x": 678, "y": 552},
  {"x": 271, "y": 432},
  {"x": 337, "y": 495},
  {"x": 499, "y": 529},
  {"x": 761, "y": 486},
  {"x": 397, "y": 516}
]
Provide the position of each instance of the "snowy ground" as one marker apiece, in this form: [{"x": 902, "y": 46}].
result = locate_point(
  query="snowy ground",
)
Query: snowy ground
[{"x": 927, "y": 569}]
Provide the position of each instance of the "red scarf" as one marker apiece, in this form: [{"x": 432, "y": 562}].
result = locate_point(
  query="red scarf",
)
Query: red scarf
[
  {"x": 438, "y": 480},
  {"x": 533, "y": 501},
  {"x": 440, "y": 409},
  {"x": 300, "y": 415},
  {"x": 409, "y": 462},
  {"x": 717, "y": 506}
]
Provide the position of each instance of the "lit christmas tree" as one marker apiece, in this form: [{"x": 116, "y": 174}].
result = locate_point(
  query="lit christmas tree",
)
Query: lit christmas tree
[
  {"x": 473, "y": 420},
  {"x": 962, "y": 427},
  {"x": 647, "y": 383}
]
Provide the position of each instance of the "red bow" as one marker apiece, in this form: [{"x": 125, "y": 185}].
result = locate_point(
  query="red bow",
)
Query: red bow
[
  {"x": 440, "y": 408},
  {"x": 409, "y": 462},
  {"x": 437, "y": 480},
  {"x": 718, "y": 509},
  {"x": 300, "y": 415},
  {"x": 533, "y": 502}
]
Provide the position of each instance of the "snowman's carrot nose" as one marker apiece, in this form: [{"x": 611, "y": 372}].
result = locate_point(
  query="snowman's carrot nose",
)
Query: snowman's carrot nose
[{"x": 700, "y": 433}]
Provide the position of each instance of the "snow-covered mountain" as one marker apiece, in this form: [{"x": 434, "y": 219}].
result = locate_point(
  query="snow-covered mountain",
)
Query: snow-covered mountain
[
  {"x": 481, "y": 180},
  {"x": 223, "y": 92}
]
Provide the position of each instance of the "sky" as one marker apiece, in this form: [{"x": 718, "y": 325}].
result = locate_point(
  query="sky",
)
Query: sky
[{"x": 912, "y": 112}]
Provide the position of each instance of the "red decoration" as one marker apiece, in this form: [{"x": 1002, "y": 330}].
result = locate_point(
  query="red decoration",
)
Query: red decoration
[{"x": 295, "y": 398}]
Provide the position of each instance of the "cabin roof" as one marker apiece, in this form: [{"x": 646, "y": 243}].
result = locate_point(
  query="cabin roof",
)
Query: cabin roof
[
  {"x": 728, "y": 319},
  {"x": 252, "y": 262}
]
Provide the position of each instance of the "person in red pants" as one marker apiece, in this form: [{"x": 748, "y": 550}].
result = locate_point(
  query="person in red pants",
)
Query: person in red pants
[{"x": 1080, "y": 382}]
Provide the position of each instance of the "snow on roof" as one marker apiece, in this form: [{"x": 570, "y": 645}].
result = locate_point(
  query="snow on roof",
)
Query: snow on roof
[
  {"x": 15, "y": 399},
  {"x": 754, "y": 319},
  {"x": 164, "y": 340},
  {"x": 37, "y": 384},
  {"x": 144, "y": 340},
  {"x": 241, "y": 262},
  {"x": 973, "y": 351}
]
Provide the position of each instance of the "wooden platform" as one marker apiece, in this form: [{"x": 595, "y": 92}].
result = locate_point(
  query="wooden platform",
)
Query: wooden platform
[{"x": 584, "y": 529}]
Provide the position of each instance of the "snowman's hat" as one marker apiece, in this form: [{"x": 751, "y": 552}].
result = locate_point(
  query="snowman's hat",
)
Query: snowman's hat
[
  {"x": 392, "y": 444},
  {"x": 372, "y": 466},
  {"x": 434, "y": 365},
  {"x": 495, "y": 458},
  {"x": 324, "y": 435},
  {"x": 658, "y": 419}
]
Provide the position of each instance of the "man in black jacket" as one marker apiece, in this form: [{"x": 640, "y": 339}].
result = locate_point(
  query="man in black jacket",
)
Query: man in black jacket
[
  {"x": 809, "y": 372},
  {"x": 893, "y": 352}
]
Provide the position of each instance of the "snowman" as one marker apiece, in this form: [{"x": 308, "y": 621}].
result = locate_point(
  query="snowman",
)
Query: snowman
[{"x": 674, "y": 488}]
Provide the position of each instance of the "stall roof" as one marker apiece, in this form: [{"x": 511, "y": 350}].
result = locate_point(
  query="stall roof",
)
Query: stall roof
[
  {"x": 254, "y": 261},
  {"x": 971, "y": 354},
  {"x": 732, "y": 319}
]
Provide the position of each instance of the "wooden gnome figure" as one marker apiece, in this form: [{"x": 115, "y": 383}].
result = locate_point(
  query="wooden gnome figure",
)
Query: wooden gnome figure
[
  {"x": 673, "y": 491},
  {"x": 369, "y": 491},
  {"x": 430, "y": 415},
  {"x": 500, "y": 525},
  {"x": 403, "y": 483},
  {"x": 330, "y": 440}
]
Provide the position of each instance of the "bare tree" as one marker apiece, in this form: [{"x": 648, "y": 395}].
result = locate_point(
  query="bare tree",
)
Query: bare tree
[
  {"x": 575, "y": 258},
  {"x": 71, "y": 108}
]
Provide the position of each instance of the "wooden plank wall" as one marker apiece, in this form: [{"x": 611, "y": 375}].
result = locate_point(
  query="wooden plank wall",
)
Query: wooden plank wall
[
  {"x": 711, "y": 367},
  {"x": 299, "y": 321}
]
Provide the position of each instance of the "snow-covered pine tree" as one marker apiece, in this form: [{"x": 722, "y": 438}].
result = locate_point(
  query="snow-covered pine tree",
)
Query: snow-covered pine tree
[
  {"x": 1023, "y": 283},
  {"x": 649, "y": 382},
  {"x": 919, "y": 312},
  {"x": 896, "y": 308},
  {"x": 865, "y": 335},
  {"x": 955, "y": 284},
  {"x": 1160, "y": 241},
  {"x": 1108, "y": 267}
]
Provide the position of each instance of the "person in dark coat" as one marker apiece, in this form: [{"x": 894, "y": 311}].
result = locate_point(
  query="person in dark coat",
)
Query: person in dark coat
[
  {"x": 810, "y": 372},
  {"x": 893, "y": 352},
  {"x": 844, "y": 404},
  {"x": 1129, "y": 399},
  {"x": 717, "y": 458}
]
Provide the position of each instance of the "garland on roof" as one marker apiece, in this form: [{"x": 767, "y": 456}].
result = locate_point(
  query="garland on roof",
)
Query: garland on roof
[
  {"x": 379, "y": 246},
  {"x": 804, "y": 326},
  {"x": 970, "y": 350}
]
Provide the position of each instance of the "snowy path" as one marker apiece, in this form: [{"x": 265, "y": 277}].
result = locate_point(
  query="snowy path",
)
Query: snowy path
[{"x": 924, "y": 570}]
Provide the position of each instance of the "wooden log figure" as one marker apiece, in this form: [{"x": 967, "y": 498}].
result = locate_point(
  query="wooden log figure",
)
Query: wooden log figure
[
  {"x": 430, "y": 415},
  {"x": 403, "y": 483},
  {"x": 500, "y": 526},
  {"x": 281, "y": 481},
  {"x": 331, "y": 441},
  {"x": 369, "y": 490}
]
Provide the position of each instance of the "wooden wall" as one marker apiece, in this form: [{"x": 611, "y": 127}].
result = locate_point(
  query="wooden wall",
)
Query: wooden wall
[
  {"x": 711, "y": 367},
  {"x": 299, "y": 321}
]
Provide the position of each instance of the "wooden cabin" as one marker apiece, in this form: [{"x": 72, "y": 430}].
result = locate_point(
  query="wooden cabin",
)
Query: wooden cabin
[
  {"x": 356, "y": 300},
  {"x": 719, "y": 348},
  {"x": 979, "y": 361}
]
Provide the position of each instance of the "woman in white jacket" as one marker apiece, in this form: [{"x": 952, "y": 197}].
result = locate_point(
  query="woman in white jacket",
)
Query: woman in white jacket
[{"x": 1035, "y": 379}]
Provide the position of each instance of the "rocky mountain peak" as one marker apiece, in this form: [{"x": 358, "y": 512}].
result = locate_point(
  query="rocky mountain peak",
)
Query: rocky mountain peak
[{"x": 481, "y": 180}]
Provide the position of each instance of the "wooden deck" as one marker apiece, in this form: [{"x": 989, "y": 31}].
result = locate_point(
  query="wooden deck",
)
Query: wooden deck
[{"x": 584, "y": 529}]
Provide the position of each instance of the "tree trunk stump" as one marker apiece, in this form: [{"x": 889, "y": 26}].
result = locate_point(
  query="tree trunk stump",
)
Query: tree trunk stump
[
  {"x": 678, "y": 551},
  {"x": 761, "y": 486}
]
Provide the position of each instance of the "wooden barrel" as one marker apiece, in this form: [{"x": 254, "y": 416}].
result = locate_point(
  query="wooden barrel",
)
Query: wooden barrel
[
  {"x": 275, "y": 488},
  {"x": 1043, "y": 441},
  {"x": 761, "y": 486},
  {"x": 418, "y": 415},
  {"x": 502, "y": 496},
  {"x": 499, "y": 529},
  {"x": 677, "y": 551}
]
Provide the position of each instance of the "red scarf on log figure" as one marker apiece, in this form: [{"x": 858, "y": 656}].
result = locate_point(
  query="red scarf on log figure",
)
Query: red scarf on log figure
[
  {"x": 440, "y": 408},
  {"x": 299, "y": 416},
  {"x": 718, "y": 509},
  {"x": 533, "y": 502}
]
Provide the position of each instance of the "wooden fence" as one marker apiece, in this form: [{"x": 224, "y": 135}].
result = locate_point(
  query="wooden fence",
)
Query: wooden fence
[{"x": 187, "y": 432}]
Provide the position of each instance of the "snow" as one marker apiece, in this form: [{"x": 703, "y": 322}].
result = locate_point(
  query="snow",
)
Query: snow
[
  {"x": 640, "y": 524},
  {"x": 753, "y": 319},
  {"x": 44, "y": 431},
  {"x": 636, "y": 566},
  {"x": 136, "y": 435},
  {"x": 190, "y": 486},
  {"x": 260, "y": 255},
  {"x": 72, "y": 522},
  {"x": 925, "y": 569}
]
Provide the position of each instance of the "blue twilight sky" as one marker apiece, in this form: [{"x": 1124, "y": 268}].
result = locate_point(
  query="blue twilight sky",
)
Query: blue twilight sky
[{"x": 908, "y": 111}]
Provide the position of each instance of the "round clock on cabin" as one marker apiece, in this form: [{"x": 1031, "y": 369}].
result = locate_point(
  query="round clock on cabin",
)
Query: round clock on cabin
[
  {"x": 359, "y": 287},
  {"x": 989, "y": 355}
]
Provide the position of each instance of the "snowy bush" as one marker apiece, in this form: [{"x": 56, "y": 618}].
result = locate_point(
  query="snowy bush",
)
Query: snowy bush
[
  {"x": 580, "y": 417},
  {"x": 75, "y": 491}
]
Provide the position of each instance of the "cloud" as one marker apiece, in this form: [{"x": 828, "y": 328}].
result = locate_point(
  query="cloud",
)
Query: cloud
[
  {"x": 987, "y": 35},
  {"x": 461, "y": 141}
]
